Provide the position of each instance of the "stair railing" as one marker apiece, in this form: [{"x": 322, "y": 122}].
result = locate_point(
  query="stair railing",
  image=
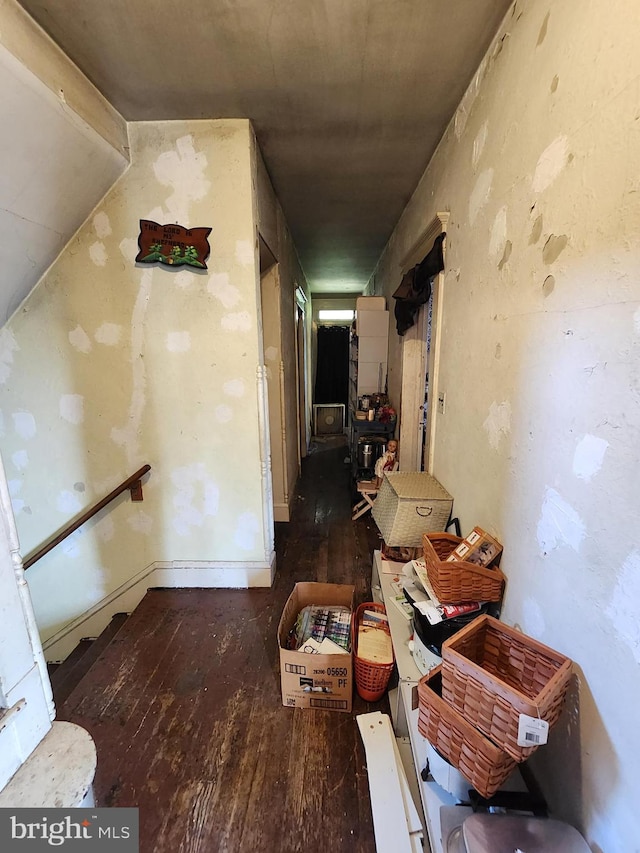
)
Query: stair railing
[{"x": 133, "y": 483}]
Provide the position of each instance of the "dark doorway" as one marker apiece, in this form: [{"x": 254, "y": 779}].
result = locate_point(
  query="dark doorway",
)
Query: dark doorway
[{"x": 332, "y": 372}]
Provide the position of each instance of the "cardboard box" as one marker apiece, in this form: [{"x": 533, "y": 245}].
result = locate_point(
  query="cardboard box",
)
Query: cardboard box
[{"x": 314, "y": 681}]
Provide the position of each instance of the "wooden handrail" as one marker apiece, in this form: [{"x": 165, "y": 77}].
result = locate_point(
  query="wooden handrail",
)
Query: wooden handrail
[{"x": 133, "y": 483}]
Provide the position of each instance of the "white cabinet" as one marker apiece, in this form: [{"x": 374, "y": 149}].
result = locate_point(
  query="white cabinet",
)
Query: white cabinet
[{"x": 368, "y": 354}]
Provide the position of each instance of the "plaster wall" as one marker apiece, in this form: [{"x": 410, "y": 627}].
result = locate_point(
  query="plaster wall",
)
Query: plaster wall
[
  {"x": 540, "y": 342},
  {"x": 115, "y": 365},
  {"x": 62, "y": 148}
]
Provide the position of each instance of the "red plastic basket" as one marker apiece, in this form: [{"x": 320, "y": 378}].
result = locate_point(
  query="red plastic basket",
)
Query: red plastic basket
[{"x": 371, "y": 678}]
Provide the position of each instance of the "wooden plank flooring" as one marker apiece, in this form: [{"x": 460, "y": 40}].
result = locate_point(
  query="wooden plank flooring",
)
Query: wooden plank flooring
[{"x": 185, "y": 706}]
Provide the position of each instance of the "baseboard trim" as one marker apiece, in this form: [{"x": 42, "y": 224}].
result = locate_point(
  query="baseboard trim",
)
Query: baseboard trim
[
  {"x": 175, "y": 574},
  {"x": 281, "y": 512}
]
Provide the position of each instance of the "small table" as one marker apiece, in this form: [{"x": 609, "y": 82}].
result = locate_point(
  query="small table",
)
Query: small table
[{"x": 368, "y": 489}]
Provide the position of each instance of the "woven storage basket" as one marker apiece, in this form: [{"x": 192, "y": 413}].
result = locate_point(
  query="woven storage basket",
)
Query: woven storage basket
[
  {"x": 481, "y": 762},
  {"x": 458, "y": 581},
  {"x": 408, "y": 505},
  {"x": 371, "y": 678},
  {"x": 492, "y": 673}
]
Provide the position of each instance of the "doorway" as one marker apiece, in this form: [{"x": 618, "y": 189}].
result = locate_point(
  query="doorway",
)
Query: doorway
[
  {"x": 332, "y": 371},
  {"x": 418, "y": 410}
]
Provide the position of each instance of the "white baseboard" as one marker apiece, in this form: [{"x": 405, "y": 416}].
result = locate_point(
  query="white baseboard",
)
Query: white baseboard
[
  {"x": 281, "y": 512},
  {"x": 175, "y": 574}
]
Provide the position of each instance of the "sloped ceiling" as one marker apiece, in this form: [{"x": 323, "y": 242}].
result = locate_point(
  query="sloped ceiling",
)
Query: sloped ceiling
[{"x": 349, "y": 98}]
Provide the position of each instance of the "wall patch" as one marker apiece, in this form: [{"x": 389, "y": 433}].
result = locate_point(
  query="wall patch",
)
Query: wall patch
[
  {"x": 498, "y": 234},
  {"x": 20, "y": 459},
  {"x": 80, "y": 340},
  {"x": 551, "y": 162},
  {"x": 24, "y": 424},
  {"x": 226, "y": 293},
  {"x": 223, "y": 413},
  {"x": 8, "y": 346},
  {"x": 72, "y": 408},
  {"x": 559, "y": 524},
  {"x": 554, "y": 247},
  {"x": 234, "y": 388},
  {"x": 178, "y": 341},
  {"x": 588, "y": 456},
  {"x": 480, "y": 194},
  {"x": 498, "y": 422},
  {"x": 623, "y": 607},
  {"x": 245, "y": 252},
  {"x": 108, "y": 334},
  {"x": 536, "y": 231},
  {"x": 101, "y": 225},
  {"x": 184, "y": 171},
  {"x": 98, "y": 254}
]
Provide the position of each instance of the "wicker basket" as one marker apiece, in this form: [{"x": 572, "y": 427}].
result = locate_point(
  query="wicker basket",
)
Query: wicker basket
[
  {"x": 481, "y": 762},
  {"x": 459, "y": 580},
  {"x": 409, "y": 504},
  {"x": 371, "y": 678},
  {"x": 492, "y": 673}
]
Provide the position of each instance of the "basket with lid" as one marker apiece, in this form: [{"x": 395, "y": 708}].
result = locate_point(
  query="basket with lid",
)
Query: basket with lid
[{"x": 409, "y": 504}]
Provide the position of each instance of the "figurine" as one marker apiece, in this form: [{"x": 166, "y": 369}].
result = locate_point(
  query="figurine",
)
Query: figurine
[{"x": 388, "y": 462}]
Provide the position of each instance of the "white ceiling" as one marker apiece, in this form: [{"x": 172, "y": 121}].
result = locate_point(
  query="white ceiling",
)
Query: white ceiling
[{"x": 349, "y": 98}]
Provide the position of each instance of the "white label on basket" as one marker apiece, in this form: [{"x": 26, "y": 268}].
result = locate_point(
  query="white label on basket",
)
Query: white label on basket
[{"x": 532, "y": 731}]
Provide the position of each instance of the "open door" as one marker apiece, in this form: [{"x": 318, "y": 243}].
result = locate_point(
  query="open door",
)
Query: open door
[{"x": 418, "y": 407}]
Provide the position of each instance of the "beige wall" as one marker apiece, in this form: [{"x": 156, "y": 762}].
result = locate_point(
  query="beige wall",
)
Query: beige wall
[
  {"x": 540, "y": 345},
  {"x": 116, "y": 365}
]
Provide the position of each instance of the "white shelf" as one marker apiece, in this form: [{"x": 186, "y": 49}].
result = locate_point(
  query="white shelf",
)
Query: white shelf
[
  {"x": 405, "y": 720},
  {"x": 405, "y": 717},
  {"x": 400, "y": 627}
]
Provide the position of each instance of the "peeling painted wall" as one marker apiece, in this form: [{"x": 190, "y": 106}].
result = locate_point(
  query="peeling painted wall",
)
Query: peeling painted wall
[
  {"x": 109, "y": 365},
  {"x": 540, "y": 171}
]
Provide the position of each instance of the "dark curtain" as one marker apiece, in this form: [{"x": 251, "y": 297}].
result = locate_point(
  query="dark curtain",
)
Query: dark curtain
[{"x": 332, "y": 372}]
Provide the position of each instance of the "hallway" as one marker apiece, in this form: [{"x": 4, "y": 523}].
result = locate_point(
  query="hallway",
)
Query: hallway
[{"x": 185, "y": 707}]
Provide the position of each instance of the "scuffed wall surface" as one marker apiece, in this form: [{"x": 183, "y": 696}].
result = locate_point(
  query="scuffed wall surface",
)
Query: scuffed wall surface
[
  {"x": 539, "y": 442},
  {"x": 108, "y": 366}
]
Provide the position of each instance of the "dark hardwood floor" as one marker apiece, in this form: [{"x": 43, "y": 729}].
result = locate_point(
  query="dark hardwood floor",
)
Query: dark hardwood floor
[{"x": 185, "y": 708}]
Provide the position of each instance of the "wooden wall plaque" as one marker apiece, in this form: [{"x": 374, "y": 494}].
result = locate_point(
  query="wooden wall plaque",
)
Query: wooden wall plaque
[{"x": 172, "y": 245}]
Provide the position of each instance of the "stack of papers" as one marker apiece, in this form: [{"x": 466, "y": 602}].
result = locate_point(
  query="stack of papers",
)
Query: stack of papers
[{"x": 374, "y": 638}]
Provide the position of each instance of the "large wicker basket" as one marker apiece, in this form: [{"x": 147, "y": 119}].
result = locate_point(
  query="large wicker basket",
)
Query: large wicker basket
[
  {"x": 371, "y": 678},
  {"x": 409, "y": 504},
  {"x": 492, "y": 673},
  {"x": 458, "y": 580},
  {"x": 481, "y": 762}
]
